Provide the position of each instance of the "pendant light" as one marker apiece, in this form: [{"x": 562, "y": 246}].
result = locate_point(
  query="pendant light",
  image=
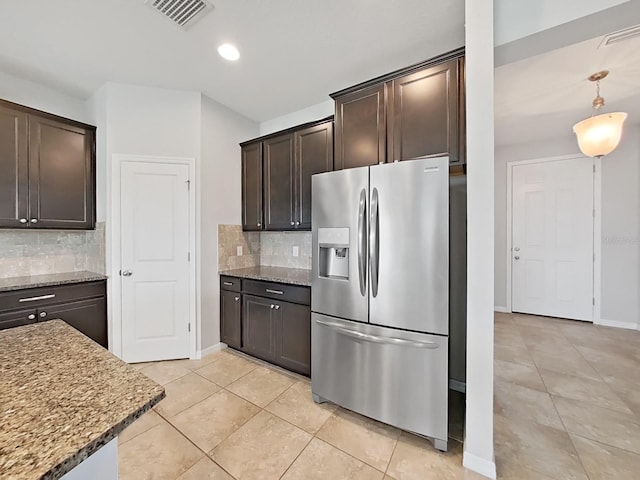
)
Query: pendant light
[{"x": 599, "y": 135}]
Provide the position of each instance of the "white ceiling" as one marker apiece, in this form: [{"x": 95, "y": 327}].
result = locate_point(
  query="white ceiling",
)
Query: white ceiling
[
  {"x": 293, "y": 52},
  {"x": 544, "y": 96}
]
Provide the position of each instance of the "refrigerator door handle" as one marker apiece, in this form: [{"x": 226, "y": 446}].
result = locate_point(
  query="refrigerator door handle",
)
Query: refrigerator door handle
[
  {"x": 374, "y": 243},
  {"x": 376, "y": 339},
  {"x": 362, "y": 242}
]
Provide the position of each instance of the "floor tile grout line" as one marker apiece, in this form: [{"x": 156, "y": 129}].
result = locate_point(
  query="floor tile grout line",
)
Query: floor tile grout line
[
  {"x": 297, "y": 456},
  {"x": 395, "y": 446}
]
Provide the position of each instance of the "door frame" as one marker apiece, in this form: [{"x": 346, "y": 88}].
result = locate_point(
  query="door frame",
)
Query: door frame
[
  {"x": 597, "y": 224},
  {"x": 114, "y": 266}
]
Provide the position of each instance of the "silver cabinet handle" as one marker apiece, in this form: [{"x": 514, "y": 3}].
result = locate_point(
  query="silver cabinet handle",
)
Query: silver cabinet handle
[
  {"x": 277, "y": 292},
  {"x": 127, "y": 273},
  {"x": 43, "y": 314},
  {"x": 31, "y": 316},
  {"x": 229, "y": 284},
  {"x": 35, "y": 299},
  {"x": 237, "y": 299},
  {"x": 362, "y": 242},
  {"x": 376, "y": 339},
  {"x": 374, "y": 243},
  {"x": 34, "y": 220},
  {"x": 277, "y": 307},
  {"x": 23, "y": 220}
]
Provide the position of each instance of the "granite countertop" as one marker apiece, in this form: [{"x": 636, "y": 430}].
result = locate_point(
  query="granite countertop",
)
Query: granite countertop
[
  {"x": 62, "y": 397},
  {"x": 34, "y": 281},
  {"x": 294, "y": 276}
]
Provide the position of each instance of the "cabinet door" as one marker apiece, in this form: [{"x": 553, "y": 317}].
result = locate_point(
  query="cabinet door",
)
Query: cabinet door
[
  {"x": 230, "y": 308},
  {"x": 294, "y": 337},
  {"x": 424, "y": 115},
  {"x": 314, "y": 154},
  {"x": 279, "y": 193},
  {"x": 259, "y": 322},
  {"x": 17, "y": 318},
  {"x": 252, "y": 186},
  {"x": 14, "y": 179},
  {"x": 61, "y": 175},
  {"x": 360, "y": 128},
  {"x": 87, "y": 316}
]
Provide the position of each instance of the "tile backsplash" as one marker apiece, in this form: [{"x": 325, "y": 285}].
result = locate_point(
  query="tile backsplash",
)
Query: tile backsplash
[
  {"x": 273, "y": 249},
  {"x": 36, "y": 252}
]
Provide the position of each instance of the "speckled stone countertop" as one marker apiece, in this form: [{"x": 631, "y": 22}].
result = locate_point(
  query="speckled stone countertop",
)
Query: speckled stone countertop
[
  {"x": 62, "y": 397},
  {"x": 294, "y": 276},
  {"x": 19, "y": 283}
]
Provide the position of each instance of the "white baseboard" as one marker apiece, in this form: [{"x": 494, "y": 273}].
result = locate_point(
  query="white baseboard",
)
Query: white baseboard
[
  {"x": 500, "y": 309},
  {"x": 209, "y": 350},
  {"x": 479, "y": 465},
  {"x": 617, "y": 324}
]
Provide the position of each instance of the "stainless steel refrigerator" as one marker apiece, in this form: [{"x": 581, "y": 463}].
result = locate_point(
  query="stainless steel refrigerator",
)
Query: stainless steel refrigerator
[{"x": 380, "y": 293}]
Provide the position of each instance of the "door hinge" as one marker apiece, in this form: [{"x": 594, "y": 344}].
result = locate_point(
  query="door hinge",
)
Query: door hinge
[
  {"x": 189, "y": 327},
  {"x": 188, "y": 182},
  {"x": 120, "y": 272}
]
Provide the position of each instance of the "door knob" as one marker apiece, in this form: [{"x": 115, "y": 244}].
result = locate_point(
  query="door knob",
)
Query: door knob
[
  {"x": 297, "y": 223},
  {"x": 127, "y": 273},
  {"x": 277, "y": 307},
  {"x": 272, "y": 305},
  {"x": 292, "y": 223},
  {"x": 23, "y": 220},
  {"x": 517, "y": 257},
  {"x": 237, "y": 299},
  {"x": 34, "y": 220},
  {"x": 259, "y": 224},
  {"x": 43, "y": 314},
  {"x": 31, "y": 316}
]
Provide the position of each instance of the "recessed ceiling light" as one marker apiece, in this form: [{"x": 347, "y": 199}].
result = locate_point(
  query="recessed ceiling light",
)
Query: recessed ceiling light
[{"x": 228, "y": 51}]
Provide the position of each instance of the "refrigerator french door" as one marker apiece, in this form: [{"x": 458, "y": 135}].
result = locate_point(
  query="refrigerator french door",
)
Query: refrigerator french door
[{"x": 380, "y": 295}]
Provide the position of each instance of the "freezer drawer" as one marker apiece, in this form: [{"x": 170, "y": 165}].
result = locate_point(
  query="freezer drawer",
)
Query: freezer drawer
[{"x": 396, "y": 377}]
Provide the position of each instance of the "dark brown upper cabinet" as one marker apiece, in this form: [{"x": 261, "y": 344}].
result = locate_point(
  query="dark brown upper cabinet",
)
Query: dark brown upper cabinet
[
  {"x": 252, "y": 186},
  {"x": 284, "y": 163},
  {"x": 360, "y": 128},
  {"x": 412, "y": 113},
  {"x": 50, "y": 170},
  {"x": 314, "y": 154},
  {"x": 279, "y": 183},
  {"x": 423, "y": 113}
]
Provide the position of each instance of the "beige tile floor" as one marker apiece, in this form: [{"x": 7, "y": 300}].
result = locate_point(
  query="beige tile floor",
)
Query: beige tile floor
[{"x": 567, "y": 406}]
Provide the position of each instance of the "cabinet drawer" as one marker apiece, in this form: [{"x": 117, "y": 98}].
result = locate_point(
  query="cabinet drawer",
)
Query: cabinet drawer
[
  {"x": 279, "y": 291},
  {"x": 35, "y": 297},
  {"x": 229, "y": 283}
]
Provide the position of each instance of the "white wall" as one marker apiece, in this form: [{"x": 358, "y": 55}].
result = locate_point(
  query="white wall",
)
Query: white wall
[
  {"x": 515, "y": 19},
  {"x": 35, "y": 95},
  {"x": 620, "y": 260},
  {"x": 220, "y": 187},
  {"x": 309, "y": 114}
]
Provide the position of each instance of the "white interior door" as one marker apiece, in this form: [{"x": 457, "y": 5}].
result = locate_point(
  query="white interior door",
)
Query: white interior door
[
  {"x": 552, "y": 239},
  {"x": 154, "y": 261}
]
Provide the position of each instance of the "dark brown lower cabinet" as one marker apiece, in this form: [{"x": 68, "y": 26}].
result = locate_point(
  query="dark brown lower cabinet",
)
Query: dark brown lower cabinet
[
  {"x": 293, "y": 345},
  {"x": 87, "y": 316},
  {"x": 230, "y": 318},
  {"x": 82, "y": 305},
  {"x": 259, "y": 325},
  {"x": 267, "y": 327}
]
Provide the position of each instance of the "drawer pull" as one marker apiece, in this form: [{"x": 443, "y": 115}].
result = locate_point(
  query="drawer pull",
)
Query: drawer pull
[
  {"x": 43, "y": 314},
  {"x": 35, "y": 299},
  {"x": 277, "y": 292},
  {"x": 228, "y": 284},
  {"x": 237, "y": 299},
  {"x": 32, "y": 316},
  {"x": 277, "y": 307}
]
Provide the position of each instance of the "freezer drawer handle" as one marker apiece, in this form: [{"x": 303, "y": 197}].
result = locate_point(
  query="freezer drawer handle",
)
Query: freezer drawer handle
[
  {"x": 376, "y": 339},
  {"x": 277, "y": 292},
  {"x": 35, "y": 299},
  {"x": 362, "y": 242}
]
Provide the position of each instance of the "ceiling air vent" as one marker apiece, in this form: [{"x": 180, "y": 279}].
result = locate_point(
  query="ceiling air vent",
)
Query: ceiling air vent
[
  {"x": 620, "y": 36},
  {"x": 183, "y": 12}
]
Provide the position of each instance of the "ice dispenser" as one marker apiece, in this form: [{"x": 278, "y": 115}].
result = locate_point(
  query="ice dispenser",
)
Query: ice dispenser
[{"x": 334, "y": 253}]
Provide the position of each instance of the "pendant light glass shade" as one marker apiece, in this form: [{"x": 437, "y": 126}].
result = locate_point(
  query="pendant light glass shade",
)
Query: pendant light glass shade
[{"x": 600, "y": 135}]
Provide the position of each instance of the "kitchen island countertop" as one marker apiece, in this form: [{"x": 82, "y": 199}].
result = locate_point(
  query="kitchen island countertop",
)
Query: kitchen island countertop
[
  {"x": 48, "y": 280},
  {"x": 62, "y": 397},
  {"x": 294, "y": 276}
]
